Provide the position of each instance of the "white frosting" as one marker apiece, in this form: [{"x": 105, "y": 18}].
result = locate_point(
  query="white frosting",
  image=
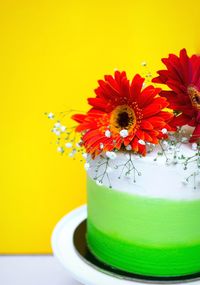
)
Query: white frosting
[{"x": 158, "y": 178}]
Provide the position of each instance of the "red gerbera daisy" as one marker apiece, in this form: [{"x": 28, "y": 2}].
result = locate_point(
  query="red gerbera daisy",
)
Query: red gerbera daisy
[
  {"x": 183, "y": 78},
  {"x": 123, "y": 114}
]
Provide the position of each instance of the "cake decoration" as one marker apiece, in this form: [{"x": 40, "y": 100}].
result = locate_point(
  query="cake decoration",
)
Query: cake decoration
[
  {"x": 141, "y": 146},
  {"x": 137, "y": 118},
  {"x": 123, "y": 114},
  {"x": 182, "y": 76}
]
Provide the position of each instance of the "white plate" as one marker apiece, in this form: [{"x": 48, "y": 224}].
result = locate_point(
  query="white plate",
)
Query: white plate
[{"x": 63, "y": 249}]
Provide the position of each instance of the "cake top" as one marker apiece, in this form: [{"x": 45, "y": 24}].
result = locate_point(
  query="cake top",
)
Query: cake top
[
  {"x": 128, "y": 115},
  {"x": 168, "y": 171},
  {"x": 133, "y": 117}
]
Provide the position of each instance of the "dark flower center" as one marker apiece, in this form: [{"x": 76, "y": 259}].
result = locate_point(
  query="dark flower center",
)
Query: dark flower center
[
  {"x": 197, "y": 99},
  {"x": 194, "y": 97},
  {"x": 123, "y": 119}
]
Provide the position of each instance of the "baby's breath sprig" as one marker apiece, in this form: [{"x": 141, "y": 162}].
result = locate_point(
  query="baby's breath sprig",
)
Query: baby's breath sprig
[
  {"x": 128, "y": 168},
  {"x": 68, "y": 141},
  {"x": 170, "y": 148},
  {"x": 102, "y": 170},
  {"x": 195, "y": 175},
  {"x": 146, "y": 73}
]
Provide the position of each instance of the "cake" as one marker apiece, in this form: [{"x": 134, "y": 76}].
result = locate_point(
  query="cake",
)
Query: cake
[
  {"x": 141, "y": 142},
  {"x": 150, "y": 226}
]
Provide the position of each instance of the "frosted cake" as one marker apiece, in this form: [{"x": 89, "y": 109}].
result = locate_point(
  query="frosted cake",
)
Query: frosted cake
[
  {"x": 150, "y": 226},
  {"x": 141, "y": 142}
]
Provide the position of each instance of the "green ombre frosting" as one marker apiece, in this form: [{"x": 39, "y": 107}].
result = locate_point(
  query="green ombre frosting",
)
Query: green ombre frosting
[{"x": 143, "y": 235}]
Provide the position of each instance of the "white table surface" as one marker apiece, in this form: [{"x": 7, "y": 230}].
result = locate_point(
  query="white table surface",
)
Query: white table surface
[{"x": 33, "y": 270}]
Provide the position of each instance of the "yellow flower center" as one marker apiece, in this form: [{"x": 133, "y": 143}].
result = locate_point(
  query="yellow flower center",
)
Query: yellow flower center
[
  {"x": 194, "y": 97},
  {"x": 122, "y": 117}
]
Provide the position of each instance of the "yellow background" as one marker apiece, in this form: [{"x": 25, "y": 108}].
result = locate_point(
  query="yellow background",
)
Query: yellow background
[{"x": 51, "y": 54}]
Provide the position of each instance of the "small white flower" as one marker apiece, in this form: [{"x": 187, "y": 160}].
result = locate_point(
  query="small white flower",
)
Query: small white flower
[
  {"x": 68, "y": 145},
  {"x": 99, "y": 183},
  {"x": 56, "y": 132},
  {"x": 169, "y": 161},
  {"x": 78, "y": 144},
  {"x": 175, "y": 161},
  {"x": 165, "y": 145},
  {"x": 57, "y": 125},
  {"x": 194, "y": 146},
  {"x": 86, "y": 166},
  {"x": 101, "y": 145},
  {"x": 128, "y": 175},
  {"x": 149, "y": 74},
  {"x": 60, "y": 149},
  {"x": 84, "y": 155},
  {"x": 63, "y": 128},
  {"x": 107, "y": 133},
  {"x": 172, "y": 147},
  {"x": 50, "y": 115},
  {"x": 184, "y": 140},
  {"x": 185, "y": 182},
  {"x": 111, "y": 154},
  {"x": 123, "y": 133},
  {"x": 109, "y": 169},
  {"x": 164, "y": 131},
  {"x": 141, "y": 142},
  {"x": 128, "y": 147},
  {"x": 143, "y": 63},
  {"x": 71, "y": 154}
]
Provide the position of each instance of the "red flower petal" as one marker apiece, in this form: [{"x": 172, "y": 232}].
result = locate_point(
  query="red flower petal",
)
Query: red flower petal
[
  {"x": 142, "y": 149},
  {"x": 166, "y": 115},
  {"x": 182, "y": 72},
  {"x": 147, "y": 113},
  {"x": 145, "y": 124},
  {"x": 155, "y": 107},
  {"x": 136, "y": 86},
  {"x": 140, "y": 134},
  {"x": 180, "y": 120},
  {"x": 147, "y": 138},
  {"x": 90, "y": 134},
  {"x": 134, "y": 144},
  {"x": 147, "y": 96},
  {"x": 79, "y": 118},
  {"x": 157, "y": 122},
  {"x": 100, "y": 103},
  {"x": 86, "y": 126}
]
